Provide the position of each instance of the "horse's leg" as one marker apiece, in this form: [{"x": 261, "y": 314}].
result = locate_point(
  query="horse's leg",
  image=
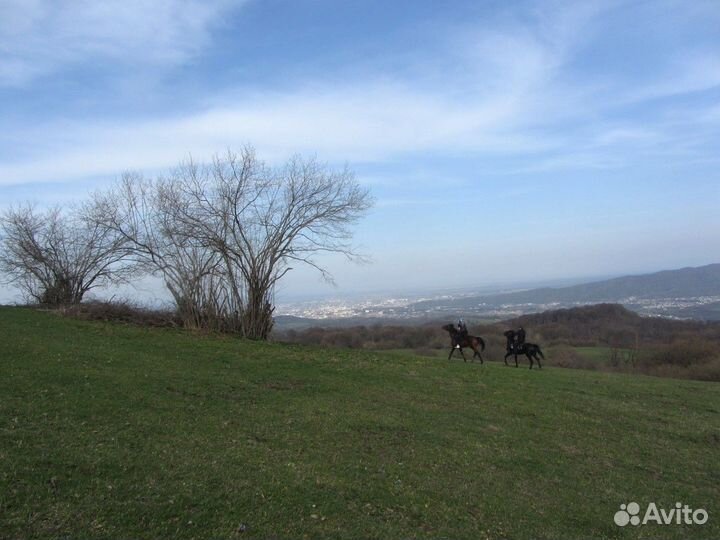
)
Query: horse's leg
[
  {"x": 463, "y": 355},
  {"x": 452, "y": 350},
  {"x": 538, "y": 361},
  {"x": 516, "y": 364},
  {"x": 529, "y": 356},
  {"x": 506, "y": 357}
]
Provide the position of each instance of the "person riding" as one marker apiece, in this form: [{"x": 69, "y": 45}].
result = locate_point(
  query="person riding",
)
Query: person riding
[
  {"x": 520, "y": 337},
  {"x": 510, "y": 335},
  {"x": 462, "y": 331},
  {"x": 462, "y": 328}
]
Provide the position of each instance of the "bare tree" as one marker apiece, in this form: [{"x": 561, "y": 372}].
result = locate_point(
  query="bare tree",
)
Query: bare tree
[
  {"x": 55, "y": 256},
  {"x": 260, "y": 220},
  {"x": 143, "y": 212},
  {"x": 223, "y": 234}
]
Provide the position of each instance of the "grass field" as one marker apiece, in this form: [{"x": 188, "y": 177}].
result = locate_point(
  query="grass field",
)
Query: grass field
[
  {"x": 598, "y": 354},
  {"x": 108, "y": 431}
]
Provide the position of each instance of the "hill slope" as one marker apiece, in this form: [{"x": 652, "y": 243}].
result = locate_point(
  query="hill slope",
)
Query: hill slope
[
  {"x": 697, "y": 282},
  {"x": 114, "y": 431},
  {"x": 599, "y": 322},
  {"x": 683, "y": 283}
]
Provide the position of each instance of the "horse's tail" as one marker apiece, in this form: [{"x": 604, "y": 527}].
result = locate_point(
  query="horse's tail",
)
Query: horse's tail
[
  {"x": 482, "y": 343},
  {"x": 539, "y": 351}
]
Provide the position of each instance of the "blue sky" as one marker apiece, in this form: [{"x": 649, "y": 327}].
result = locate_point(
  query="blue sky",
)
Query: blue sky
[{"x": 504, "y": 141}]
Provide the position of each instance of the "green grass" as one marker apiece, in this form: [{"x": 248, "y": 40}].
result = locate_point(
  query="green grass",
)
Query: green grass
[
  {"x": 599, "y": 354},
  {"x": 108, "y": 431},
  {"x": 602, "y": 355}
]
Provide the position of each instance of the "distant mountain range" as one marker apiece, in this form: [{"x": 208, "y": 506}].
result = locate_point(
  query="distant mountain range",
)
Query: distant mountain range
[
  {"x": 684, "y": 293},
  {"x": 688, "y": 293}
]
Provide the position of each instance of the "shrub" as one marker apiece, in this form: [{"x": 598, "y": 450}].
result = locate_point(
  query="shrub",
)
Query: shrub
[
  {"x": 568, "y": 357},
  {"x": 122, "y": 311},
  {"x": 681, "y": 353}
]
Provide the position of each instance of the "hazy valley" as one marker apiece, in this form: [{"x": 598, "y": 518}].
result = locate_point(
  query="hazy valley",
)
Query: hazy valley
[{"x": 688, "y": 293}]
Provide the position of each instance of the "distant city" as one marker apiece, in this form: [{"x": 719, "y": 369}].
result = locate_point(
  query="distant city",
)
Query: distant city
[
  {"x": 404, "y": 307},
  {"x": 690, "y": 293},
  {"x": 373, "y": 305}
]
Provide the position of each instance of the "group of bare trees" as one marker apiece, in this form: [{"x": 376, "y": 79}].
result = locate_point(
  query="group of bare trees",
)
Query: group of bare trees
[{"x": 220, "y": 235}]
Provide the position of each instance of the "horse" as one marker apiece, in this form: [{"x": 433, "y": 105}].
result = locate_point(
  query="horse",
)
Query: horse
[
  {"x": 531, "y": 350},
  {"x": 464, "y": 340}
]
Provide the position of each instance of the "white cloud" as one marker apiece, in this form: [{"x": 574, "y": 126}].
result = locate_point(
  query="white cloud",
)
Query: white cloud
[
  {"x": 39, "y": 37},
  {"x": 376, "y": 118},
  {"x": 360, "y": 123},
  {"x": 506, "y": 93}
]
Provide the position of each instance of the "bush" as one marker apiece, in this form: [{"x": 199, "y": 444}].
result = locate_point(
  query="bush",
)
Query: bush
[
  {"x": 124, "y": 312},
  {"x": 681, "y": 353},
  {"x": 683, "y": 359},
  {"x": 568, "y": 357}
]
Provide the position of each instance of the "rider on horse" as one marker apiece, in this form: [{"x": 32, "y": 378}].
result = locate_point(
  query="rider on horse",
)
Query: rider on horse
[
  {"x": 515, "y": 339},
  {"x": 460, "y": 338},
  {"x": 516, "y": 345}
]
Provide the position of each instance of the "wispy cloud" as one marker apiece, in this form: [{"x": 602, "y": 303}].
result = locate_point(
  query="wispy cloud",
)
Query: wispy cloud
[
  {"x": 497, "y": 89},
  {"x": 40, "y": 37},
  {"x": 694, "y": 71},
  {"x": 376, "y": 118},
  {"x": 455, "y": 123},
  {"x": 369, "y": 122}
]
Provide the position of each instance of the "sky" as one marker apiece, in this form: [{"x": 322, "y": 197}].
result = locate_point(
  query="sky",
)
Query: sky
[{"x": 503, "y": 141}]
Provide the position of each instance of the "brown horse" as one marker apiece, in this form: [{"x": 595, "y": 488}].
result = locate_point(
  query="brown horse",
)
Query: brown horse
[{"x": 459, "y": 341}]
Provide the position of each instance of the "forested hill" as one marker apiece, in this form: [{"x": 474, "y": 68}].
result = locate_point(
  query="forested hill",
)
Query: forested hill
[
  {"x": 612, "y": 324},
  {"x": 686, "y": 282},
  {"x": 703, "y": 281}
]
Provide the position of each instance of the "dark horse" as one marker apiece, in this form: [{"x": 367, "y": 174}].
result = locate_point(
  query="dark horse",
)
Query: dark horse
[
  {"x": 528, "y": 349},
  {"x": 463, "y": 340}
]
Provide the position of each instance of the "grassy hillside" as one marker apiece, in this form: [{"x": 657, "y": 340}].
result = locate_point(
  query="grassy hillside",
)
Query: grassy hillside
[
  {"x": 651, "y": 345},
  {"x": 111, "y": 431}
]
